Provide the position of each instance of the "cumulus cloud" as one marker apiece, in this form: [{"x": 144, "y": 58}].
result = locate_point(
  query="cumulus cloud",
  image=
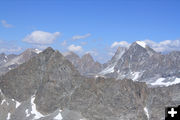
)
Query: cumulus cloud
[
  {"x": 75, "y": 48},
  {"x": 64, "y": 43},
  {"x": 5, "y": 24},
  {"x": 121, "y": 43},
  {"x": 41, "y": 37},
  {"x": 164, "y": 46},
  {"x": 77, "y": 37}
]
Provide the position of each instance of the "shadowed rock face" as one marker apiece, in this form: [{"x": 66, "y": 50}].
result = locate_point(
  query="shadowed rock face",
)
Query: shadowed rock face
[{"x": 56, "y": 84}]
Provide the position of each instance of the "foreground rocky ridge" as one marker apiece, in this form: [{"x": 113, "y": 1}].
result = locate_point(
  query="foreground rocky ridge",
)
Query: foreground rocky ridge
[{"x": 48, "y": 84}]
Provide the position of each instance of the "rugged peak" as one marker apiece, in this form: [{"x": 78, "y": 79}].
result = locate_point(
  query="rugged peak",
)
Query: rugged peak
[
  {"x": 87, "y": 56},
  {"x": 118, "y": 54},
  {"x": 141, "y": 43},
  {"x": 70, "y": 53},
  {"x": 30, "y": 51},
  {"x": 48, "y": 51}
]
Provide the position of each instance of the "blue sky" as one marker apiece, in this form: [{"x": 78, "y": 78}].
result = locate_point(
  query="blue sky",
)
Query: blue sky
[{"x": 89, "y": 25}]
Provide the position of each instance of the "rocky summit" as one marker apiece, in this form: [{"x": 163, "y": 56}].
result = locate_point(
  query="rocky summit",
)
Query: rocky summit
[
  {"x": 48, "y": 87},
  {"x": 139, "y": 62},
  {"x": 85, "y": 65}
]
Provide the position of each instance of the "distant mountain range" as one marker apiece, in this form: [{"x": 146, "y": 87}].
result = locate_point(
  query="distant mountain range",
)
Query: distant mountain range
[
  {"x": 50, "y": 86},
  {"x": 85, "y": 65},
  {"x": 8, "y": 62},
  {"x": 139, "y": 62}
]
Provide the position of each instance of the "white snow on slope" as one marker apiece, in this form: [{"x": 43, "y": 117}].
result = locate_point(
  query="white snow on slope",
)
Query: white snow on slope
[
  {"x": 109, "y": 69},
  {"x": 3, "y": 101},
  {"x": 146, "y": 112},
  {"x": 17, "y": 103},
  {"x": 34, "y": 110},
  {"x": 141, "y": 43},
  {"x": 37, "y": 51},
  {"x": 135, "y": 76},
  {"x": 160, "y": 82},
  {"x": 59, "y": 116},
  {"x": 27, "y": 113},
  {"x": 9, "y": 116}
]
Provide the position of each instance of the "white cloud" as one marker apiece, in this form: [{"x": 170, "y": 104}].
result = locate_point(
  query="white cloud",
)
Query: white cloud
[
  {"x": 75, "y": 48},
  {"x": 93, "y": 52},
  {"x": 77, "y": 37},
  {"x": 121, "y": 43},
  {"x": 5, "y": 24},
  {"x": 41, "y": 37},
  {"x": 164, "y": 46},
  {"x": 64, "y": 43},
  {"x": 10, "y": 50}
]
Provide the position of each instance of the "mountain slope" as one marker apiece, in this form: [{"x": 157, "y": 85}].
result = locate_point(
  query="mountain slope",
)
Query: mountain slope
[
  {"x": 141, "y": 63},
  {"x": 48, "y": 87}
]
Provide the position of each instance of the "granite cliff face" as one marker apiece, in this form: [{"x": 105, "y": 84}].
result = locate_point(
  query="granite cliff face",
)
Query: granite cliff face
[{"x": 48, "y": 87}]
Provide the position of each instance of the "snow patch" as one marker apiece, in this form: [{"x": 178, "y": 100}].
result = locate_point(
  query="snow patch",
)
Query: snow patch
[
  {"x": 9, "y": 116},
  {"x": 135, "y": 76},
  {"x": 59, "y": 116},
  {"x": 3, "y": 101},
  {"x": 109, "y": 69},
  {"x": 141, "y": 43},
  {"x": 9, "y": 68},
  {"x": 37, "y": 51},
  {"x": 34, "y": 110},
  {"x": 17, "y": 104},
  {"x": 146, "y": 112},
  {"x": 27, "y": 113},
  {"x": 160, "y": 82}
]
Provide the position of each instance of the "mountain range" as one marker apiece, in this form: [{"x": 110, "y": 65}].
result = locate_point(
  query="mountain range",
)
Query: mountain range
[{"x": 136, "y": 84}]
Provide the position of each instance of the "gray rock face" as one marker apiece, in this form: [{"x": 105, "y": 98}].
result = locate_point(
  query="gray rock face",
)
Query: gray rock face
[
  {"x": 85, "y": 65},
  {"x": 141, "y": 63},
  {"x": 47, "y": 83},
  {"x": 9, "y": 62},
  {"x": 5, "y": 58}
]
